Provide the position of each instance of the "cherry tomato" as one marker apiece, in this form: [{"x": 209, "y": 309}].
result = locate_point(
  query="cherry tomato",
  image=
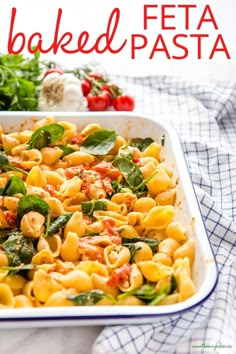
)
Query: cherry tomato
[
  {"x": 123, "y": 103},
  {"x": 99, "y": 102},
  {"x": 96, "y": 76},
  {"x": 112, "y": 89},
  {"x": 109, "y": 96},
  {"x": 86, "y": 87},
  {"x": 53, "y": 70}
]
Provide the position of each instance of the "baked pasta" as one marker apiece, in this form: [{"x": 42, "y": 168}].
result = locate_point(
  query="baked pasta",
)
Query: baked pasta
[{"x": 89, "y": 218}]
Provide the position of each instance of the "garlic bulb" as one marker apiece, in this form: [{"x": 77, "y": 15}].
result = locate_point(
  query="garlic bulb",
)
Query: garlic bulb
[{"x": 61, "y": 93}]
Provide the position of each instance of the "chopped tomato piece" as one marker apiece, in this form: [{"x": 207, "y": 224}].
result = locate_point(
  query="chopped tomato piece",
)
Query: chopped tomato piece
[
  {"x": 71, "y": 172},
  {"x": 78, "y": 139},
  {"x": 106, "y": 185},
  {"x": 85, "y": 188},
  {"x": 50, "y": 189},
  {"x": 10, "y": 217},
  {"x": 91, "y": 252},
  {"x": 116, "y": 239},
  {"x": 120, "y": 275},
  {"x": 107, "y": 169},
  {"x": 113, "y": 174},
  {"x": 108, "y": 223},
  {"x": 110, "y": 227}
]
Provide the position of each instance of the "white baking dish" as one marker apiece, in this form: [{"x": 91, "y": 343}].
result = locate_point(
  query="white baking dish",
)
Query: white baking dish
[{"x": 205, "y": 272}]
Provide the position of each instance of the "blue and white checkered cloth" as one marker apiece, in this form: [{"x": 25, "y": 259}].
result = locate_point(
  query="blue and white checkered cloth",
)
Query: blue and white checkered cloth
[{"x": 205, "y": 117}]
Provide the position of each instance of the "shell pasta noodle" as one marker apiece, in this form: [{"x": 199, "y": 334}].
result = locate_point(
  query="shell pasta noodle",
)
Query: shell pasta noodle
[{"x": 89, "y": 217}]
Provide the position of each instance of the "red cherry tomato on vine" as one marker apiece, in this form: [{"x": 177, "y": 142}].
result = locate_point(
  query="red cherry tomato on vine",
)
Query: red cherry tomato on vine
[
  {"x": 99, "y": 102},
  {"x": 112, "y": 89},
  {"x": 123, "y": 103},
  {"x": 53, "y": 70},
  {"x": 109, "y": 96},
  {"x": 86, "y": 87},
  {"x": 95, "y": 75}
]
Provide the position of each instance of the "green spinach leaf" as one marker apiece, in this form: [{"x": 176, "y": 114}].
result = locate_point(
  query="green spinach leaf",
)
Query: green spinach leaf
[
  {"x": 19, "y": 249},
  {"x": 6, "y": 166},
  {"x": 45, "y": 136},
  {"x": 66, "y": 150},
  {"x": 147, "y": 293},
  {"x": 126, "y": 151},
  {"x": 160, "y": 296},
  {"x": 14, "y": 185},
  {"x": 130, "y": 171},
  {"x": 14, "y": 270},
  {"x": 59, "y": 223},
  {"x": 89, "y": 207},
  {"x": 89, "y": 298},
  {"x": 140, "y": 143},
  {"x": 29, "y": 203},
  {"x": 133, "y": 248},
  {"x": 117, "y": 187},
  {"x": 99, "y": 142},
  {"x": 153, "y": 244},
  {"x": 91, "y": 234},
  {"x": 174, "y": 284}
]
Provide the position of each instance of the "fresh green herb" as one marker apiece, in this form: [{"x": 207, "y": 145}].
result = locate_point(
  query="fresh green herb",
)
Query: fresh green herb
[
  {"x": 133, "y": 248},
  {"x": 121, "y": 230},
  {"x": 90, "y": 234},
  {"x": 126, "y": 151},
  {"x": 130, "y": 171},
  {"x": 5, "y": 233},
  {"x": 147, "y": 293},
  {"x": 20, "y": 268},
  {"x": 89, "y": 298},
  {"x": 99, "y": 142},
  {"x": 163, "y": 138},
  {"x": 45, "y": 136},
  {"x": 117, "y": 187},
  {"x": 66, "y": 150},
  {"x": 6, "y": 166},
  {"x": 89, "y": 207},
  {"x": 59, "y": 223},
  {"x": 29, "y": 203},
  {"x": 14, "y": 185},
  {"x": 142, "y": 186},
  {"x": 133, "y": 177},
  {"x": 174, "y": 284},
  {"x": 19, "y": 249},
  {"x": 140, "y": 143},
  {"x": 161, "y": 295},
  {"x": 19, "y": 82},
  {"x": 153, "y": 244}
]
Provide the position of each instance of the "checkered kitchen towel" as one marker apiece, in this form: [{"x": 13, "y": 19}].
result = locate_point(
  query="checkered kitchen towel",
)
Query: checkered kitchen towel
[{"x": 205, "y": 117}]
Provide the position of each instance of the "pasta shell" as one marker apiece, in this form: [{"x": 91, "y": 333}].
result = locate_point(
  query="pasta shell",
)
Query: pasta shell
[{"x": 153, "y": 271}]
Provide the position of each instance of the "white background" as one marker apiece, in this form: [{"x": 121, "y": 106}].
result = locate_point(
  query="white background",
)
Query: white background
[{"x": 92, "y": 15}]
